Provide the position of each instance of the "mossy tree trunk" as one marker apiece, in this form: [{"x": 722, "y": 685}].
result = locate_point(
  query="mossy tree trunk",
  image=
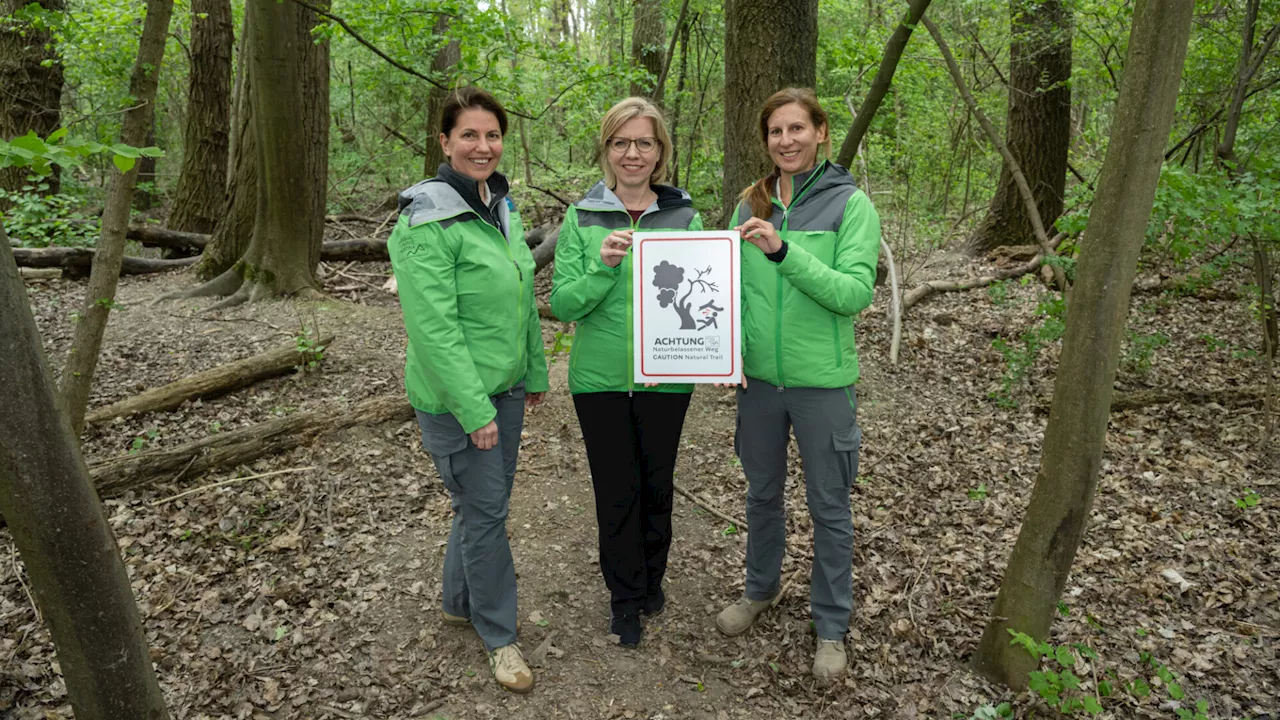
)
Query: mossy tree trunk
[
  {"x": 1063, "y": 496},
  {"x": 61, "y": 530},
  {"x": 31, "y": 75},
  {"x": 201, "y": 197}
]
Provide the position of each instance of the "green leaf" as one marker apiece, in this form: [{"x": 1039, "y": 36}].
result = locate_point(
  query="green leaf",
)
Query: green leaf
[
  {"x": 123, "y": 163},
  {"x": 126, "y": 150},
  {"x": 1175, "y": 691},
  {"x": 1104, "y": 689},
  {"x": 1092, "y": 706},
  {"x": 1064, "y": 657},
  {"x": 57, "y": 135}
]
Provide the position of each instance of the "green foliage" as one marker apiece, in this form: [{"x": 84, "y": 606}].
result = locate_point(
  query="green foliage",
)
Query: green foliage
[
  {"x": 36, "y": 219},
  {"x": 978, "y": 493},
  {"x": 310, "y": 348},
  {"x": 1197, "y": 212},
  {"x": 563, "y": 344},
  {"x": 1020, "y": 356},
  {"x": 1249, "y": 500},
  {"x": 1140, "y": 350}
]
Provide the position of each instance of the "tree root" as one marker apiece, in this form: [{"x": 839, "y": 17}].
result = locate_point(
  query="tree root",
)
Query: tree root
[{"x": 232, "y": 287}]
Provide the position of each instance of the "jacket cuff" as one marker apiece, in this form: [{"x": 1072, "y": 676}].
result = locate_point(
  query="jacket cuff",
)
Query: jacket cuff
[
  {"x": 473, "y": 422},
  {"x": 780, "y": 255}
]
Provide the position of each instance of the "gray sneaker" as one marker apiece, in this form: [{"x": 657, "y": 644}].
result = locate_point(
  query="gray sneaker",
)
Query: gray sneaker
[
  {"x": 830, "y": 661},
  {"x": 738, "y": 617}
]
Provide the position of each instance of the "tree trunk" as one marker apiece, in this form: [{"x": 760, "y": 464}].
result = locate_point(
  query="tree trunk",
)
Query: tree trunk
[
  {"x": 61, "y": 530},
  {"x": 143, "y": 196},
  {"x": 32, "y": 96},
  {"x": 768, "y": 46},
  {"x": 201, "y": 196},
  {"x": 1039, "y": 124},
  {"x": 289, "y": 93},
  {"x": 880, "y": 85},
  {"x": 675, "y": 106},
  {"x": 445, "y": 59},
  {"x": 82, "y": 360},
  {"x": 235, "y": 227},
  {"x": 1063, "y": 495},
  {"x": 647, "y": 36}
]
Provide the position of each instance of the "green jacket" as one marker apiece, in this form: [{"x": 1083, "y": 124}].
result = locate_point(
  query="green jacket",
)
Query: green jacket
[
  {"x": 597, "y": 296},
  {"x": 796, "y": 314},
  {"x": 466, "y": 289}
]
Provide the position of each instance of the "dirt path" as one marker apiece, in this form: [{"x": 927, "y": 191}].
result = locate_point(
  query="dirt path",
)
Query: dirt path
[{"x": 315, "y": 594}]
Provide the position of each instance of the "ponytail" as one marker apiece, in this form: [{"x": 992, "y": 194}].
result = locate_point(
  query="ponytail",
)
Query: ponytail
[{"x": 760, "y": 196}]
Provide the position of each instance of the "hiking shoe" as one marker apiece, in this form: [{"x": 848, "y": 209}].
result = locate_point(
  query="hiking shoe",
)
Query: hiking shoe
[
  {"x": 829, "y": 662},
  {"x": 654, "y": 603},
  {"x": 626, "y": 625},
  {"x": 510, "y": 670},
  {"x": 738, "y": 617}
]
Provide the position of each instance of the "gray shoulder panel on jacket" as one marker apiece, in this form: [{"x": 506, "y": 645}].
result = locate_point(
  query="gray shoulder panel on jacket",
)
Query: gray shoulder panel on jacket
[
  {"x": 431, "y": 200},
  {"x": 822, "y": 213}
]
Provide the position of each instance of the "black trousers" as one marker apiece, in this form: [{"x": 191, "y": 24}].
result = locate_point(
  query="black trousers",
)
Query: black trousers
[{"x": 632, "y": 442}]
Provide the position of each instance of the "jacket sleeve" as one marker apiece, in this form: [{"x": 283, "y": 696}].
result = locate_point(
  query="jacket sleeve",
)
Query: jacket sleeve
[
  {"x": 581, "y": 281},
  {"x": 535, "y": 376},
  {"x": 425, "y": 260},
  {"x": 847, "y": 288}
]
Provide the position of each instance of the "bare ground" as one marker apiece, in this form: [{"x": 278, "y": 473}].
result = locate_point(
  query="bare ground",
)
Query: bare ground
[{"x": 315, "y": 594}]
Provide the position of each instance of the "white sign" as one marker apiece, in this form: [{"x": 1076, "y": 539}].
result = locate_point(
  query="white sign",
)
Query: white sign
[{"x": 686, "y": 307}]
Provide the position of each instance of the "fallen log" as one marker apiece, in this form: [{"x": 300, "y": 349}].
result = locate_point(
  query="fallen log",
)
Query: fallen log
[
  {"x": 210, "y": 383},
  {"x": 176, "y": 240},
  {"x": 357, "y": 250},
  {"x": 927, "y": 288},
  {"x": 78, "y": 261},
  {"x": 116, "y": 475},
  {"x": 33, "y": 274},
  {"x": 1227, "y": 396},
  {"x": 545, "y": 250}
]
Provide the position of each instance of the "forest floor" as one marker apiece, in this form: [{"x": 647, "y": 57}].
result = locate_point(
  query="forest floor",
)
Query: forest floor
[{"x": 316, "y": 593}]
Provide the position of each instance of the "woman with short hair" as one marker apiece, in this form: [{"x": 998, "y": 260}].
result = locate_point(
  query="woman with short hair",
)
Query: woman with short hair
[
  {"x": 810, "y": 243},
  {"x": 632, "y": 432},
  {"x": 474, "y": 360}
]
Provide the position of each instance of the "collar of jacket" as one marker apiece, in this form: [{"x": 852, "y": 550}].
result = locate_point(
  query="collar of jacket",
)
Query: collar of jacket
[
  {"x": 828, "y": 176},
  {"x": 601, "y": 198},
  {"x": 450, "y": 193}
]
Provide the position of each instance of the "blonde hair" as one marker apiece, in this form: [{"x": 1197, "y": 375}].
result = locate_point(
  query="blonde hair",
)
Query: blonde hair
[
  {"x": 619, "y": 115},
  {"x": 759, "y": 194}
]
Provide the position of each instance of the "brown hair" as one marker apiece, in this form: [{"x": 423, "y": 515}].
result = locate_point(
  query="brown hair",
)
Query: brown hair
[
  {"x": 470, "y": 98},
  {"x": 759, "y": 194},
  {"x": 622, "y": 113}
]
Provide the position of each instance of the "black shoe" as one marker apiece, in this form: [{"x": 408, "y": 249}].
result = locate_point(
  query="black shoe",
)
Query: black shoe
[
  {"x": 626, "y": 625},
  {"x": 654, "y": 603}
]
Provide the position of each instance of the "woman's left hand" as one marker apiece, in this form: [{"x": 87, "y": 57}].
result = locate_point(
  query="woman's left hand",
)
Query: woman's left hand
[
  {"x": 761, "y": 234},
  {"x": 533, "y": 399}
]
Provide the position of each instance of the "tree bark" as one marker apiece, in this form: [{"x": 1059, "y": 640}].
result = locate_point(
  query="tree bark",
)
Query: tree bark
[
  {"x": 1039, "y": 122},
  {"x": 1063, "y": 496},
  {"x": 884, "y": 78},
  {"x": 235, "y": 227},
  {"x": 228, "y": 449},
  {"x": 445, "y": 59},
  {"x": 289, "y": 84},
  {"x": 768, "y": 46},
  {"x": 32, "y": 96},
  {"x": 82, "y": 360},
  {"x": 647, "y": 36},
  {"x": 210, "y": 383},
  {"x": 201, "y": 197},
  {"x": 61, "y": 530}
]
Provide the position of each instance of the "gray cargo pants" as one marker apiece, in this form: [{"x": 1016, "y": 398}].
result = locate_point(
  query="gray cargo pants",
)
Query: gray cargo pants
[
  {"x": 825, "y": 423},
  {"x": 479, "y": 576}
]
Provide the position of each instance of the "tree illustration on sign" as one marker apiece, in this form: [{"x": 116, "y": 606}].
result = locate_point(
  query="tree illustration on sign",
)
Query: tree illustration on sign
[{"x": 668, "y": 278}]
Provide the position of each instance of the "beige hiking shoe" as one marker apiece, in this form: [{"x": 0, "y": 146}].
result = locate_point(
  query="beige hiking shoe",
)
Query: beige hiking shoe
[
  {"x": 830, "y": 662},
  {"x": 455, "y": 620},
  {"x": 738, "y": 617},
  {"x": 510, "y": 670}
]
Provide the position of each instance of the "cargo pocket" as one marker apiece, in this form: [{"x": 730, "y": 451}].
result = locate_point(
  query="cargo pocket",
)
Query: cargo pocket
[
  {"x": 737, "y": 436},
  {"x": 443, "y": 437},
  {"x": 846, "y": 443}
]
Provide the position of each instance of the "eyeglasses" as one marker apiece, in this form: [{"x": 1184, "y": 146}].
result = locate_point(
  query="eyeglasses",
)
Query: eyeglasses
[{"x": 620, "y": 145}]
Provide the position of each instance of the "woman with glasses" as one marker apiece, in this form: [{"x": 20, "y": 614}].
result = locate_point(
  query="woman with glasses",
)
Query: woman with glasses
[{"x": 631, "y": 432}]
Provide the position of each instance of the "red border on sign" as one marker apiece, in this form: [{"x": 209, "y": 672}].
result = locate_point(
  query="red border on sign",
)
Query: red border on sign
[{"x": 733, "y": 314}]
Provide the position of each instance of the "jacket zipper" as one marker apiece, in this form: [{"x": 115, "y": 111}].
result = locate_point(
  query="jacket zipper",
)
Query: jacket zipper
[{"x": 786, "y": 217}]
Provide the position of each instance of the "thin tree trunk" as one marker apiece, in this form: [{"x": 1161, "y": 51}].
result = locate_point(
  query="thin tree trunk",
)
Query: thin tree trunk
[
  {"x": 61, "y": 530},
  {"x": 1072, "y": 457},
  {"x": 201, "y": 197},
  {"x": 768, "y": 45},
  {"x": 659, "y": 88},
  {"x": 675, "y": 109},
  {"x": 1039, "y": 122},
  {"x": 647, "y": 37},
  {"x": 31, "y": 77},
  {"x": 82, "y": 360},
  {"x": 144, "y": 193},
  {"x": 445, "y": 58},
  {"x": 884, "y": 77},
  {"x": 234, "y": 229}
]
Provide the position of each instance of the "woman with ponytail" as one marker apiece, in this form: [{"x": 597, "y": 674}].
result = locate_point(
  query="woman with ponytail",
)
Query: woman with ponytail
[{"x": 810, "y": 243}]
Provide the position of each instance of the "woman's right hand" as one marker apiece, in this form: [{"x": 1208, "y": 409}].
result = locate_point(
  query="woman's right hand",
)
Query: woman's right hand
[
  {"x": 615, "y": 247},
  {"x": 486, "y": 438}
]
